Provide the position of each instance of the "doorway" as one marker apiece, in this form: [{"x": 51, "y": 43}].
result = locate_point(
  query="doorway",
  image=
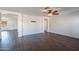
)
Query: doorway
[
  {"x": 8, "y": 30},
  {"x": 46, "y": 24}
]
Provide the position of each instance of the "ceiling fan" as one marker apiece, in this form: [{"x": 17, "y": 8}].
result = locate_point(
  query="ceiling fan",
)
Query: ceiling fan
[{"x": 49, "y": 11}]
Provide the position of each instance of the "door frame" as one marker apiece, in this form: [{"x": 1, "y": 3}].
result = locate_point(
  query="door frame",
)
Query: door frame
[
  {"x": 46, "y": 24},
  {"x": 19, "y": 20}
]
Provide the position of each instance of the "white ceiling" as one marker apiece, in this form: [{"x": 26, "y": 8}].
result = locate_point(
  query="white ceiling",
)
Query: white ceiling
[{"x": 35, "y": 11}]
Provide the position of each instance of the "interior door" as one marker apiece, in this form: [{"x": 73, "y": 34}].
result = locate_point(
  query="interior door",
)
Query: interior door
[{"x": 46, "y": 24}]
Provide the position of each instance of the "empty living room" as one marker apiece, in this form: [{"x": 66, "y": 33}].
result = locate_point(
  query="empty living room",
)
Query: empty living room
[{"x": 39, "y": 28}]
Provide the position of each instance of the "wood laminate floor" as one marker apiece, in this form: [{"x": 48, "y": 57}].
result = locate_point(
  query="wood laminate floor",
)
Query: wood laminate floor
[
  {"x": 38, "y": 42},
  {"x": 48, "y": 42},
  {"x": 8, "y": 40}
]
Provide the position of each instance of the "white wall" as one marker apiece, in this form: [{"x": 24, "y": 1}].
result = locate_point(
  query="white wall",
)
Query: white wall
[
  {"x": 32, "y": 27},
  {"x": 65, "y": 25},
  {"x": 11, "y": 23},
  {"x": 25, "y": 28}
]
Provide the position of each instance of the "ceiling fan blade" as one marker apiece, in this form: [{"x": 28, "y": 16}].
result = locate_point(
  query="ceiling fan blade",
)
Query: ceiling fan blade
[
  {"x": 47, "y": 8},
  {"x": 55, "y": 12},
  {"x": 49, "y": 11}
]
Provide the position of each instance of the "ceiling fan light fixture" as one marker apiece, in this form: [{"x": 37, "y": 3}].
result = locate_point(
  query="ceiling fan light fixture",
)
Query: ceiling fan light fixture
[
  {"x": 50, "y": 14},
  {"x": 50, "y": 11}
]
